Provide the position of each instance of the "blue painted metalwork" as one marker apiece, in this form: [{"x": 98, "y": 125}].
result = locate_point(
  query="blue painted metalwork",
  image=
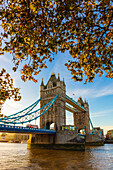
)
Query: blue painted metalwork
[
  {"x": 82, "y": 136},
  {"x": 19, "y": 129},
  {"x": 69, "y": 98},
  {"x": 28, "y": 113},
  {"x": 99, "y": 133},
  {"x": 93, "y": 130},
  {"x": 17, "y": 119},
  {"x": 91, "y": 123},
  {"x": 35, "y": 103}
]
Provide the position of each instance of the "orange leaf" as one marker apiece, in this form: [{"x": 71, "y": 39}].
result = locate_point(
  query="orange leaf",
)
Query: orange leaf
[{"x": 34, "y": 80}]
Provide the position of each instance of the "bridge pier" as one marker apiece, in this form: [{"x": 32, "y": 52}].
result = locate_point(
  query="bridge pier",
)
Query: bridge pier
[
  {"x": 94, "y": 140},
  {"x": 62, "y": 140}
]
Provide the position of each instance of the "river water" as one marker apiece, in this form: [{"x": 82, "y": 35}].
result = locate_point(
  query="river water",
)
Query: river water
[{"x": 18, "y": 157}]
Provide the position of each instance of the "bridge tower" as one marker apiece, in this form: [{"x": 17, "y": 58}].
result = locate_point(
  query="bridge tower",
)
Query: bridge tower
[
  {"x": 56, "y": 114},
  {"x": 80, "y": 118}
]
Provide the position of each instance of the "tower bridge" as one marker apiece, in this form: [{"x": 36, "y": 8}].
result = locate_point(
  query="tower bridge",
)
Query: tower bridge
[
  {"x": 53, "y": 105},
  {"x": 57, "y": 113}
]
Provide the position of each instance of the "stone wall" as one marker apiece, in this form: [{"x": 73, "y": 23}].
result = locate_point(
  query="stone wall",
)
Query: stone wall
[
  {"x": 67, "y": 136},
  {"x": 61, "y": 137},
  {"x": 91, "y": 139}
]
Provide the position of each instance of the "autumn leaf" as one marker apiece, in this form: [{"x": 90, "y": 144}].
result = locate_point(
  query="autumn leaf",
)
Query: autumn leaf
[
  {"x": 34, "y": 80},
  {"x": 7, "y": 90},
  {"x": 33, "y": 31}
]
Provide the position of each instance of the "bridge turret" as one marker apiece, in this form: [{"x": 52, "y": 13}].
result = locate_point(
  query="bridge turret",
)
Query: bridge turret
[
  {"x": 56, "y": 114},
  {"x": 80, "y": 101},
  {"x": 81, "y": 117},
  {"x": 86, "y": 106},
  {"x": 58, "y": 78},
  {"x": 58, "y": 81},
  {"x": 42, "y": 85},
  {"x": 64, "y": 82},
  {"x": 41, "y": 88}
]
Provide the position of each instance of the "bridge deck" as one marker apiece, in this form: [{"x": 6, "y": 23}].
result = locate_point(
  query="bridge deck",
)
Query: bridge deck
[
  {"x": 74, "y": 104},
  {"x": 70, "y": 109},
  {"x": 19, "y": 129}
]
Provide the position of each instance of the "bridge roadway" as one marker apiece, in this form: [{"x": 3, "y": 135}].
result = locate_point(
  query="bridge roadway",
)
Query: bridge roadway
[
  {"x": 27, "y": 130},
  {"x": 75, "y": 104}
]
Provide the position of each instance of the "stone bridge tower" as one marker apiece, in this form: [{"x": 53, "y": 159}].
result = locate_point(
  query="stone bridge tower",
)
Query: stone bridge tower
[
  {"x": 56, "y": 114},
  {"x": 81, "y": 118}
]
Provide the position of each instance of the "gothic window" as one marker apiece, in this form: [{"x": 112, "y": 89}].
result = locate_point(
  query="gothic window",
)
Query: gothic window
[
  {"x": 54, "y": 84},
  {"x": 50, "y": 85}
]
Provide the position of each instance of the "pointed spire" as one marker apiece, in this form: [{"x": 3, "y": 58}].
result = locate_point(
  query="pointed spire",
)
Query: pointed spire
[
  {"x": 42, "y": 84},
  {"x": 63, "y": 81},
  {"x": 52, "y": 74},
  {"x": 85, "y": 100},
  {"x": 58, "y": 77},
  {"x": 80, "y": 101}
]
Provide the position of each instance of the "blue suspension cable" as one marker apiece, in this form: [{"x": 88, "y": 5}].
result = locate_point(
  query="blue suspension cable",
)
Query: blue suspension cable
[
  {"x": 25, "y": 108},
  {"x": 18, "y": 117},
  {"x": 9, "y": 117},
  {"x": 52, "y": 101}
]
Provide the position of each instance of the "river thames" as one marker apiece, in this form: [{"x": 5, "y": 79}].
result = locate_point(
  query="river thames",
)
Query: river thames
[{"x": 18, "y": 157}]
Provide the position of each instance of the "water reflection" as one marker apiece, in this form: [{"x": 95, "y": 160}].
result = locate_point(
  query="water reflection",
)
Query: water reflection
[
  {"x": 92, "y": 158},
  {"x": 17, "y": 156}
]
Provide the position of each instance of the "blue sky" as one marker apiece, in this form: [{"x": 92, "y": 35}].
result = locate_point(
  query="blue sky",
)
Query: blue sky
[{"x": 99, "y": 93}]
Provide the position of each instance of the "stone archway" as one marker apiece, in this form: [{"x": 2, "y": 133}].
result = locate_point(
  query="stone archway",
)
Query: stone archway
[
  {"x": 48, "y": 124},
  {"x": 82, "y": 131},
  {"x": 53, "y": 127}
]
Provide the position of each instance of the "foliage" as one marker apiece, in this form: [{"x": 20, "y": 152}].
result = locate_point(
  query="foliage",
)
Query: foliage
[
  {"x": 36, "y": 30},
  {"x": 7, "y": 89}
]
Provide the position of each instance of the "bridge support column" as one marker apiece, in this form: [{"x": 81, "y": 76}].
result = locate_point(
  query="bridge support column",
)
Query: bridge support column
[
  {"x": 40, "y": 139},
  {"x": 94, "y": 140},
  {"x": 63, "y": 139}
]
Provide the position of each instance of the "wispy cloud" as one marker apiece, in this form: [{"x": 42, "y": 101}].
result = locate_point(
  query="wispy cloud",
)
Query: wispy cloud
[
  {"x": 16, "y": 77},
  {"x": 4, "y": 58},
  {"x": 101, "y": 113},
  {"x": 13, "y": 104},
  {"x": 108, "y": 90},
  {"x": 92, "y": 92},
  {"x": 10, "y": 107},
  {"x": 7, "y": 64}
]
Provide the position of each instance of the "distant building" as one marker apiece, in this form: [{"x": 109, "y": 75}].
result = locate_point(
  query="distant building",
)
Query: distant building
[
  {"x": 97, "y": 131},
  {"x": 13, "y": 137},
  {"x": 109, "y": 134}
]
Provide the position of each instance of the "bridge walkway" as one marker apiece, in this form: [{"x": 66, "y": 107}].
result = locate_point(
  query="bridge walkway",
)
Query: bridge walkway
[
  {"x": 27, "y": 130},
  {"x": 75, "y": 104}
]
